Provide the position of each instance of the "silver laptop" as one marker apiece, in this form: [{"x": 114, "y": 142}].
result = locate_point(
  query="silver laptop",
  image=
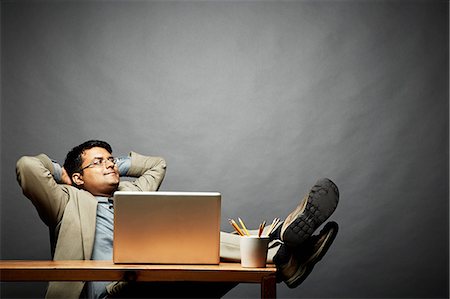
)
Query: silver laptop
[{"x": 166, "y": 227}]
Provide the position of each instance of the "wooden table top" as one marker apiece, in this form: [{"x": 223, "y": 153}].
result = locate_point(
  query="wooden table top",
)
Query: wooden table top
[{"x": 31, "y": 270}]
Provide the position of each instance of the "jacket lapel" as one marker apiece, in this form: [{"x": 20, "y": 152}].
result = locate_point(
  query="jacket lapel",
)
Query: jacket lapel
[{"x": 88, "y": 219}]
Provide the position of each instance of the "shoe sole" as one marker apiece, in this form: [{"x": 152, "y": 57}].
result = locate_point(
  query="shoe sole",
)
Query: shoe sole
[
  {"x": 306, "y": 268},
  {"x": 320, "y": 203}
]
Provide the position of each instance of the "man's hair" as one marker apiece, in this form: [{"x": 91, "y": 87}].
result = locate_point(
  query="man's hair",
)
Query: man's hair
[{"x": 73, "y": 161}]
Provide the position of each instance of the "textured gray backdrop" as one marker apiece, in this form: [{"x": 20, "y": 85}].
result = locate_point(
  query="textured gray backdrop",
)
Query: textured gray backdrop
[{"x": 253, "y": 99}]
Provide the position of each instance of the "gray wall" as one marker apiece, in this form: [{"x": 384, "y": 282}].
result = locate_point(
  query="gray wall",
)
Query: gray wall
[{"x": 253, "y": 99}]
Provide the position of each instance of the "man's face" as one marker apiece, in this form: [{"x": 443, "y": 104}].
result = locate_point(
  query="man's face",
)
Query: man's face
[{"x": 100, "y": 176}]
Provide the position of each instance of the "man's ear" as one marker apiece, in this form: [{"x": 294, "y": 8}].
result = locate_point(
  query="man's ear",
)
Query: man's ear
[{"x": 77, "y": 178}]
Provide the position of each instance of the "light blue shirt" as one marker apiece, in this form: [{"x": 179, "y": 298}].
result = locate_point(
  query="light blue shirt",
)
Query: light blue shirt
[{"x": 103, "y": 243}]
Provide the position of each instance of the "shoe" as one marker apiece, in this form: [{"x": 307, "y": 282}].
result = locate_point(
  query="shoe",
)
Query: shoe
[
  {"x": 316, "y": 207},
  {"x": 298, "y": 265}
]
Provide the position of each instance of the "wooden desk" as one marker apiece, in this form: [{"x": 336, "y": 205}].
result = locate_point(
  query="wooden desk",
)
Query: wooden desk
[{"x": 108, "y": 271}]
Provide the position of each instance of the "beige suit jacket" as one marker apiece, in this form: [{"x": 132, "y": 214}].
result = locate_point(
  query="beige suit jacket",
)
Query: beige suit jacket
[{"x": 70, "y": 213}]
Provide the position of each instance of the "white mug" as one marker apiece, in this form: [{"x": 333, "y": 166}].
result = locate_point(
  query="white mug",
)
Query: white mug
[{"x": 254, "y": 251}]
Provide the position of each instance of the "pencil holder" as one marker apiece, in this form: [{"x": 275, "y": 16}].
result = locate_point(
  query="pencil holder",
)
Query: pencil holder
[{"x": 254, "y": 251}]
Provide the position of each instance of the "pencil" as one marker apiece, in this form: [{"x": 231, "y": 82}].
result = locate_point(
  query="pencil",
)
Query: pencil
[
  {"x": 236, "y": 227},
  {"x": 243, "y": 226},
  {"x": 272, "y": 226},
  {"x": 261, "y": 228}
]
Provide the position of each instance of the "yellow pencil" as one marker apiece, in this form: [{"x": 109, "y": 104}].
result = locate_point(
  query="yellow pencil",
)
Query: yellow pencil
[
  {"x": 243, "y": 226},
  {"x": 236, "y": 227}
]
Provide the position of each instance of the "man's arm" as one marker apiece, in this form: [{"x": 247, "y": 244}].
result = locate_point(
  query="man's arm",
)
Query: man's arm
[
  {"x": 148, "y": 171},
  {"x": 36, "y": 178}
]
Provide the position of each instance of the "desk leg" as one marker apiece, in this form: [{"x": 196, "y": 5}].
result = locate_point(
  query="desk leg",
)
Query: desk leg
[{"x": 269, "y": 287}]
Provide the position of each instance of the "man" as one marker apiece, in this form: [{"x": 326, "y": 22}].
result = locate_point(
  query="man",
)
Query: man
[{"x": 75, "y": 202}]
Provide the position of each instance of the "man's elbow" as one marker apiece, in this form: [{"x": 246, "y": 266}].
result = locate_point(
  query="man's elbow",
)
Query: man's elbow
[{"x": 22, "y": 165}]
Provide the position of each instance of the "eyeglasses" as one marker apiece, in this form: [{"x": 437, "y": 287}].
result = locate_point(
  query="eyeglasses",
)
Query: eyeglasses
[{"x": 97, "y": 162}]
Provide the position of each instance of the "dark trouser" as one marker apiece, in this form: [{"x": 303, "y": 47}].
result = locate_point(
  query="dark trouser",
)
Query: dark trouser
[{"x": 184, "y": 289}]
